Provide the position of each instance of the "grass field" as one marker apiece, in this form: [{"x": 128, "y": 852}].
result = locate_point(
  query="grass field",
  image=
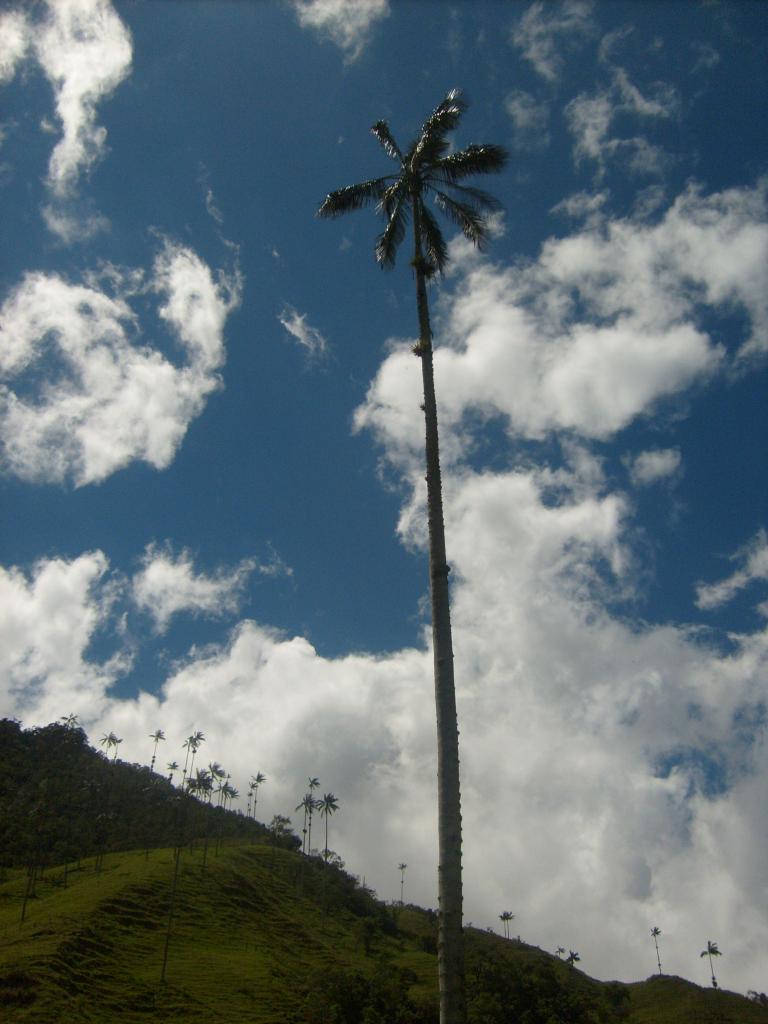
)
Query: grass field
[{"x": 252, "y": 931}]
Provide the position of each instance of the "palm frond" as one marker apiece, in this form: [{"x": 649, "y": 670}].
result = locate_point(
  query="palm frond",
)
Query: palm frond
[
  {"x": 393, "y": 234},
  {"x": 390, "y": 198},
  {"x": 384, "y": 135},
  {"x": 436, "y": 250},
  {"x": 472, "y": 160},
  {"x": 477, "y": 196},
  {"x": 446, "y": 115},
  {"x": 353, "y": 197},
  {"x": 429, "y": 150},
  {"x": 464, "y": 216}
]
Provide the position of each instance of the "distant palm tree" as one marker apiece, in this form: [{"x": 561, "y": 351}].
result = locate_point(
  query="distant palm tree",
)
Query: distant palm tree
[
  {"x": 327, "y": 806},
  {"x": 171, "y": 767},
  {"x": 157, "y": 736},
  {"x": 307, "y": 802},
  {"x": 401, "y": 868},
  {"x": 253, "y": 788},
  {"x": 560, "y": 951},
  {"x": 572, "y": 958},
  {"x": 429, "y": 168},
  {"x": 110, "y": 741},
  {"x": 656, "y": 932},
  {"x": 313, "y": 806},
  {"x": 69, "y": 721},
  {"x": 711, "y": 951},
  {"x": 505, "y": 918},
  {"x": 191, "y": 744}
]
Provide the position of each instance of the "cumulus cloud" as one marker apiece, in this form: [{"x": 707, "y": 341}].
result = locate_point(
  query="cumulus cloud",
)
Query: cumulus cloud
[
  {"x": 591, "y": 117},
  {"x": 530, "y": 119},
  {"x": 594, "y": 333},
  {"x": 546, "y": 29},
  {"x": 347, "y": 23},
  {"x": 308, "y": 337},
  {"x": 168, "y": 584},
  {"x": 569, "y": 717},
  {"x": 47, "y": 622},
  {"x": 752, "y": 560},
  {"x": 652, "y": 466},
  {"x": 81, "y": 395}
]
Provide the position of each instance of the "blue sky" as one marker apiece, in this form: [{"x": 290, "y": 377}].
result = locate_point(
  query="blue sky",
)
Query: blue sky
[{"x": 212, "y": 507}]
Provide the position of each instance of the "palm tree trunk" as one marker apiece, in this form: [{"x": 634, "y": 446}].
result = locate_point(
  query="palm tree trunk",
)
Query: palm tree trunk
[{"x": 450, "y": 947}]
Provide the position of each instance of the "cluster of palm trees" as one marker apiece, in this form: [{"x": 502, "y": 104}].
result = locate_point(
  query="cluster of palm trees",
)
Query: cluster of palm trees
[
  {"x": 203, "y": 782},
  {"x": 327, "y": 805}
]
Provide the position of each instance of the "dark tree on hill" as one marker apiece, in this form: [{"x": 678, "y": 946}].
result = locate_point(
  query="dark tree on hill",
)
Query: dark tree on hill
[
  {"x": 401, "y": 868},
  {"x": 158, "y": 735},
  {"x": 428, "y": 169},
  {"x": 656, "y": 932},
  {"x": 327, "y": 806},
  {"x": 711, "y": 951}
]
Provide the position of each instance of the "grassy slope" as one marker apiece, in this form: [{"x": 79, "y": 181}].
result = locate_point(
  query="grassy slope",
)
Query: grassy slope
[{"x": 247, "y": 932}]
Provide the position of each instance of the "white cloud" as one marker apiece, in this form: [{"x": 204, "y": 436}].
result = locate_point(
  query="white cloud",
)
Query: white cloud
[
  {"x": 627, "y": 760},
  {"x": 80, "y": 395},
  {"x": 591, "y": 117},
  {"x": 604, "y": 325},
  {"x": 47, "y": 623},
  {"x": 530, "y": 119},
  {"x": 85, "y": 50},
  {"x": 347, "y": 23},
  {"x": 14, "y": 42},
  {"x": 753, "y": 565},
  {"x": 545, "y": 29},
  {"x": 652, "y": 466},
  {"x": 168, "y": 584},
  {"x": 310, "y": 339}
]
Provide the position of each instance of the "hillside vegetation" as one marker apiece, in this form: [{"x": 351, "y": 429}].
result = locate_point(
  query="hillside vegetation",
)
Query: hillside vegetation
[{"x": 231, "y": 923}]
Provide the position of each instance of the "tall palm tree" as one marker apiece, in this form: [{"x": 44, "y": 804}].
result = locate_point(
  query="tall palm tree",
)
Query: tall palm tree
[
  {"x": 401, "y": 868},
  {"x": 711, "y": 951},
  {"x": 171, "y": 767},
  {"x": 306, "y": 804},
  {"x": 656, "y": 932},
  {"x": 69, "y": 721},
  {"x": 505, "y": 917},
  {"x": 192, "y": 744},
  {"x": 157, "y": 736},
  {"x": 327, "y": 806},
  {"x": 313, "y": 805},
  {"x": 428, "y": 168},
  {"x": 572, "y": 958},
  {"x": 253, "y": 788}
]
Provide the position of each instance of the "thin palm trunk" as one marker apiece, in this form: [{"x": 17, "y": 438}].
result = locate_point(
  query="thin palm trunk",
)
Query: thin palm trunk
[{"x": 450, "y": 946}]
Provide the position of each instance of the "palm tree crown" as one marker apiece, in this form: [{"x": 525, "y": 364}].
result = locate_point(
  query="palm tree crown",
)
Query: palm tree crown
[{"x": 427, "y": 168}]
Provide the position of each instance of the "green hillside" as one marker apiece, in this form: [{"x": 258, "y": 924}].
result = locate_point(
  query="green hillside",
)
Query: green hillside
[
  {"x": 126, "y": 899},
  {"x": 265, "y": 935}
]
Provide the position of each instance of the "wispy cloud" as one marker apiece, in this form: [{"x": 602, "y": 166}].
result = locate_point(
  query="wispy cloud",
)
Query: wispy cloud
[
  {"x": 651, "y": 466},
  {"x": 14, "y": 42},
  {"x": 545, "y": 30},
  {"x": 752, "y": 561},
  {"x": 347, "y": 23},
  {"x": 81, "y": 394},
  {"x": 530, "y": 120},
  {"x": 168, "y": 585},
  {"x": 591, "y": 118},
  {"x": 85, "y": 51},
  {"x": 308, "y": 337}
]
